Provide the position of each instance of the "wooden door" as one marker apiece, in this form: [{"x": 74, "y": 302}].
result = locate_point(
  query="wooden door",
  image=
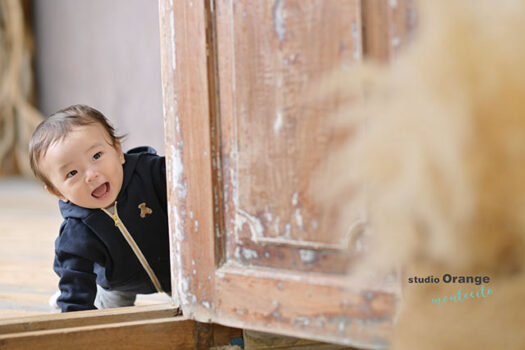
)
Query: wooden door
[{"x": 252, "y": 248}]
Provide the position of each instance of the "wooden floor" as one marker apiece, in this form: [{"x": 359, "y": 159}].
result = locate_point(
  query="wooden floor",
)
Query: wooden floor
[{"x": 29, "y": 223}]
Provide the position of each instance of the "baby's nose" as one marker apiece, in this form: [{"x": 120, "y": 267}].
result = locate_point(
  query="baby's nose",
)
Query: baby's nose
[{"x": 91, "y": 175}]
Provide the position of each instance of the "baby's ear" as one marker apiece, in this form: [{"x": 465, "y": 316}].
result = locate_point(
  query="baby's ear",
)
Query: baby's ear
[
  {"x": 56, "y": 194},
  {"x": 118, "y": 147}
]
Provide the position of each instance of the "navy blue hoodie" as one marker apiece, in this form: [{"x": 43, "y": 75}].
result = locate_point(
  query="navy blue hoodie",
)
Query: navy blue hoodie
[{"x": 91, "y": 250}]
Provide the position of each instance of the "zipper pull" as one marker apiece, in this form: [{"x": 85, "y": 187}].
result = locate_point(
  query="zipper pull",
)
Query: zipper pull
[
  {"x": 115, "y": 215},
  {"x": 115, "y": 218}
]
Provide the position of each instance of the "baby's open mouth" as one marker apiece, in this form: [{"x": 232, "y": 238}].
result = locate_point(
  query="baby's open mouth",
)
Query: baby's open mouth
[{"x": 101, "y": 190}]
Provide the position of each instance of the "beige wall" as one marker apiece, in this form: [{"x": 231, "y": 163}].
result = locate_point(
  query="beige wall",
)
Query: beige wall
[{"x": 105, "y": 54}]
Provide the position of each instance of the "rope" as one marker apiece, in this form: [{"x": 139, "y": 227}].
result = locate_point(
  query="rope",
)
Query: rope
[{"x": 18, "y": 118}]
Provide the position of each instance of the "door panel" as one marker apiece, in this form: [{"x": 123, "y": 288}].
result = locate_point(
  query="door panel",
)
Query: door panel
[
  {"x": 276, "y": 50},
  {"x": 245, "y": 138},
  {"x": 272, "y": 138}
]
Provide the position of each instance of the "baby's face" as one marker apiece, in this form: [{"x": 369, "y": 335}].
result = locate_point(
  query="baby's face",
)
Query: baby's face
[{"x": 85, "y": 168}]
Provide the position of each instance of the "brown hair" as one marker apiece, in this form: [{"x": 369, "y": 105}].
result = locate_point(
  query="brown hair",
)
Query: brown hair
[{"x": 56, "y": 128}]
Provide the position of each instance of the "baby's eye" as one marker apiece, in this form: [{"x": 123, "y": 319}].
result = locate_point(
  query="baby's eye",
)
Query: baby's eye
[
  {"x": 71, "y": 174},
  {"x": 97, "y": 155}
]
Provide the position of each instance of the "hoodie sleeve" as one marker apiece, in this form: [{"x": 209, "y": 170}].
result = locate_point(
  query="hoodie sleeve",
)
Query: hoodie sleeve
[{"x": 76, "y": 250}]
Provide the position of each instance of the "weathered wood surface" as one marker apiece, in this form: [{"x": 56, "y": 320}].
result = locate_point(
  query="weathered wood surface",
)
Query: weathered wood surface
[
  {"x": 29, "y": 223},
  {"x": 273, "y": 139},
  {"x": 251, "y": 246},
  {"x": 262, "y": 341},
  {"x": 146, "y": 327},
  {"x": 184, "y": 54},
  {"x": 87, "y": 318},
  {"x": 161, "y": 333},
  {"x": 388, "y": 26},
  {"x": 326, "y": 308}
]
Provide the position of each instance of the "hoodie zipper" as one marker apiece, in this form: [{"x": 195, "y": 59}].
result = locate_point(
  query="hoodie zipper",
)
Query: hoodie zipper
[{"x": 134, "y": 246}]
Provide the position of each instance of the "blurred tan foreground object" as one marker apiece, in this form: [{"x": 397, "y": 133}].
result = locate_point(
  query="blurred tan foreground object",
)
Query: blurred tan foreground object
[
  {"x": 18, "y": 118},
  {"x": 443, "y": 164}
]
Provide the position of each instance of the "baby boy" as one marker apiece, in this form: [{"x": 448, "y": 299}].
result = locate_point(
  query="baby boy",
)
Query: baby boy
[{"x": 113, "y": 243}]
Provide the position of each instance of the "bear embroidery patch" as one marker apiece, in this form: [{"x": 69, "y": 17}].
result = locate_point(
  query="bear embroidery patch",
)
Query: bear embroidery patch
[{"x": 144, "y": 210}]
